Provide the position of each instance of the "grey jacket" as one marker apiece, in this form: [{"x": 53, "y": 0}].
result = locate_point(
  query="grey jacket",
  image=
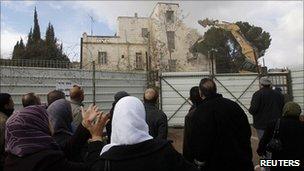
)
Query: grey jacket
[{"x": 76, "y": 112}]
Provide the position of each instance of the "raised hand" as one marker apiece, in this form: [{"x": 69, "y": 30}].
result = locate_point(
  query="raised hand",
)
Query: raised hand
[{"x": 95, "y": 121}]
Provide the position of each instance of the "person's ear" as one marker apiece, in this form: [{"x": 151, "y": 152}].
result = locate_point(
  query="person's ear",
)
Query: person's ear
[{"x": 201, "y": 94}]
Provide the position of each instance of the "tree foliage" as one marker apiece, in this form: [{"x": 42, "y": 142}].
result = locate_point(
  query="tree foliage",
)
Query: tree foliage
[
  {"x": 37, "y": 48},
  {"x": 228, "y": 53}
]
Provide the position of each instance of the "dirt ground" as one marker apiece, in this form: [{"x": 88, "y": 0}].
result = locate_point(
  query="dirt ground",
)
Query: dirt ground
[{"x": 176, "y": 135}]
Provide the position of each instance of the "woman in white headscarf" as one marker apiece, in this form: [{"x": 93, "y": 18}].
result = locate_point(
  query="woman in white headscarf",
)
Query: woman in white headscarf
[{"x": 132, "y": 148}]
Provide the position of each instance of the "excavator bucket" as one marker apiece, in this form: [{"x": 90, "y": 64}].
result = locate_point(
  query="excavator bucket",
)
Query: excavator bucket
[{"x": 205, "y": 22}]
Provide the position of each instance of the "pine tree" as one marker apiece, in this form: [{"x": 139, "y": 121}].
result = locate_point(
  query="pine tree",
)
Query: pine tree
[
  {"x": 15, "y": 51},
  {"x": 36, "y": 31},
  {"x": 37, "y": 48},
  {"x": 29, "y": 46},
  {"x": 50, "y": 43},
  {"x": 21, "y": 51},
  {"x": 29, "y": 39}
]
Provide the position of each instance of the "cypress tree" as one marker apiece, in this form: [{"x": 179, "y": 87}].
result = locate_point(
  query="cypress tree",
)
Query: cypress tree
[
  {"x": 29, "y": 39},
  {"x": 36, "y": 31},
  {"x": 15, "y": 51},
  {"x": 21, "y": 51}
]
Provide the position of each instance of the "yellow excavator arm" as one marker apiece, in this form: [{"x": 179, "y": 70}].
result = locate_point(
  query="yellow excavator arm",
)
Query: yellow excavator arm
[{"x": 248, "y": 50}]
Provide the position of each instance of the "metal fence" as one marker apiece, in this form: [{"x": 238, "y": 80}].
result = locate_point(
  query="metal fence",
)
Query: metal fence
[
  {"x": 20, "y": 80},
  {"x": 237, "y": 87},
  {"x": 39, "y": 63},
  {"x": 297, "y": 79}
]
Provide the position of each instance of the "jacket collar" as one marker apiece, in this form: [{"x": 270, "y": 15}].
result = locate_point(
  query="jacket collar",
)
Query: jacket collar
[
  {"x": 150, "y": 104},
  {"x": 76, "y": 102},
  {"x": 216, "y": 95}
]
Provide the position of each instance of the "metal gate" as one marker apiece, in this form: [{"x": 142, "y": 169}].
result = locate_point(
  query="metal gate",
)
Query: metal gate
[{"x": 174, "y": 97}]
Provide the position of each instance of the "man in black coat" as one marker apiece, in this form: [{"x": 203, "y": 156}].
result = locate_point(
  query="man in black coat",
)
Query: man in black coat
[
  {"x": 220, "y": 135},
  {"x": 156, "y": 119},
  {"x": 266, "y": 106},
  {"x": 195, "y": 99}
]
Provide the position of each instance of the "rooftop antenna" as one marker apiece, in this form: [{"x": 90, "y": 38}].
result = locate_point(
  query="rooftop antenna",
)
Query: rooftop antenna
[{"x": 92, "y": 21}]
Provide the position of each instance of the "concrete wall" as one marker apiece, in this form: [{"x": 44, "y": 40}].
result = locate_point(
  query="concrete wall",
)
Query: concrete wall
[{"x": 18, "y": 81}]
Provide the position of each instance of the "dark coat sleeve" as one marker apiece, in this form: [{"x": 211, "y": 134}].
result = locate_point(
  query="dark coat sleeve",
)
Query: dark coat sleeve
[
  {"x": 203, "y": 134},
  {"x": 62, "y": 163},
  {"x": 266, "y": 139},
  {"x": 187, "y": 133},
  {"x": 255, "y": 103},
  {"x": 177, "y": 162},
  {"x": 162, "y": 125},
  {"x": 75, "y": 144}
]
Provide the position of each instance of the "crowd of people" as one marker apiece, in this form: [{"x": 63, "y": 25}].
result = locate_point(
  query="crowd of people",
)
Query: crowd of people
[{"x": 63, "y": 135}]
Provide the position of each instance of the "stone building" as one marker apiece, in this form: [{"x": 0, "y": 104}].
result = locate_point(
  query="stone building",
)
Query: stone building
[{"x": 158, "y": 42}]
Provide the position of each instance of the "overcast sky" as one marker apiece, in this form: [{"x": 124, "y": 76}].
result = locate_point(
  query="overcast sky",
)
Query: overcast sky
[{"x": 282, "y": 19}]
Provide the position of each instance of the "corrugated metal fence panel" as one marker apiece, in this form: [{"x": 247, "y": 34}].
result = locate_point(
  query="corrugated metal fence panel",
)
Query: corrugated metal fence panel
[
  {"x": 297, "y": 78},
  {"x": 18, "y": 81},
  {"x": 235, "y": 83}
]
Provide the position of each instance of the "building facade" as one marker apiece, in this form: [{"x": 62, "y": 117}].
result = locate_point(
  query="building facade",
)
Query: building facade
[{"x": 158, "y": 42}]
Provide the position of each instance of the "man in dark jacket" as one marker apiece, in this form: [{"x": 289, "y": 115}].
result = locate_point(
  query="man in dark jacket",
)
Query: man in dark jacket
[
  {"x": 220, "y": 135},
  {"x": 266, "y": 106},
  {"x": 156, "y": 119},
  {"x": 195, "y": 99}
]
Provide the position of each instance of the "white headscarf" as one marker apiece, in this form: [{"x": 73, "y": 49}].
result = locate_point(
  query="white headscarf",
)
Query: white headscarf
[{"x": 129, "y": 123}]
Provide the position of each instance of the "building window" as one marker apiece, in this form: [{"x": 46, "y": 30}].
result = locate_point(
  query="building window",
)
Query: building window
[
  {"x": 171, "y": 40},
  {"x": 138, "y": 61},
  {"x": 170, "y": 16},
  {"x": 144, "y": 32},
  {"x": 102, "y": 58}
]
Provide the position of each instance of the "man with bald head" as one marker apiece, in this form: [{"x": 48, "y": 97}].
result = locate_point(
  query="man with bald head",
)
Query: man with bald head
[
  {"x": 30, "y": 99},
  {"x": 155, "y": 118},
  {"x": 76, "y": 96}
]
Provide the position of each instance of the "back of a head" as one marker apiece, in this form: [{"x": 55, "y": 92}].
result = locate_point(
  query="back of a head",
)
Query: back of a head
[
  {"x": 76, "y": 93},
  {"x": 265, "y": 81},
  {"x": 27, "y": 131},
  {"x": 129, "y": 121},
  {"x": 4, "y": 99},
  {"x": 60, "y": 115},
  {"x": 120, "y": 95},
  {"x": 292, "y": 109},
  {"x": 54, "y": 95},
  {"x": 151, "y": 95},
  {"x": 30, "y": 99},
  {"x": 207, "y": 87},
  {"x": 194, "y": 95}
]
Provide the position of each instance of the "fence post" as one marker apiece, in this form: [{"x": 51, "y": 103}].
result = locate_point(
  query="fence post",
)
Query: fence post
[
  {"x": 289, "y": 85},
  {"x": 93, "y": 82}
]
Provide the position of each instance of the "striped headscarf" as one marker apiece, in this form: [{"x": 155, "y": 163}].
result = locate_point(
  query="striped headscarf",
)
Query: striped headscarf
[{"x": 27, "y": 132}]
